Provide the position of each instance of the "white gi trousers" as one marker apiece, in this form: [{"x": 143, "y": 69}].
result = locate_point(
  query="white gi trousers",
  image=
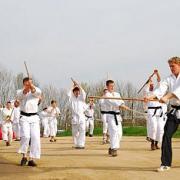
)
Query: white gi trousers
[
  {"x": 7, "y": 132},
  {"x": 16, "y": 129},
  {"x": 78, "y": 132},
  {"x": 157, "y": 127},
  {"x": 105, "y": 123},
  {"x": 157, "y": 123},
  {"x": 90, "y": 125},
  {"x": 46, "y": 131},
  {"x": 30, "y": 132},
  {"x": 160, "y": 128},
  {"x": 115, "y": 131},
  {"x": 148, "y": 125},
  {"x": 53, "y": 126}
]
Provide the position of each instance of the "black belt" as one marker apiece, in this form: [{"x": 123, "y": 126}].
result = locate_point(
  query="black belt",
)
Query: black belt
[
  {"x": 88, "y": 116},
  {"x": 172, "y": 114},
  {"x": 103, "y": 112},
  {"x": 28, "y": 114},
  {"x": 174, "y": 110},
  {"x": 155, "y": 110},
  {"x": 112, "y": 113},
  {"x": 175, "y": 107}
]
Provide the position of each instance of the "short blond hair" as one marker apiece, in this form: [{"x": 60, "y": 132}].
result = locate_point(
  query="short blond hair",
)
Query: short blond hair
[{"x": 175, "y": 60}]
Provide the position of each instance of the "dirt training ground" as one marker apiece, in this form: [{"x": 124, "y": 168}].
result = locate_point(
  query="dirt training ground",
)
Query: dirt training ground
[{"x": 60, "y": 161}]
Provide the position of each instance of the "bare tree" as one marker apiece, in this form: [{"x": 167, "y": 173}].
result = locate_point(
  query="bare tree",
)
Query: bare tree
[
  {"x": 6, "y": 86},
  {"x": 9, "y": 84}
]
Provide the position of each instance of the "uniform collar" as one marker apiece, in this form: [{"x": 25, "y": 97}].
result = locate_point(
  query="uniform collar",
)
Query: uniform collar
[
  {"x": 113, "y": 93},
  {"x": 174, "y": 77}
]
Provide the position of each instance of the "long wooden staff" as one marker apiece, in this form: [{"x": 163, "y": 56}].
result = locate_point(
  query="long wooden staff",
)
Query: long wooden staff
[{"x": 116, "y": 98}]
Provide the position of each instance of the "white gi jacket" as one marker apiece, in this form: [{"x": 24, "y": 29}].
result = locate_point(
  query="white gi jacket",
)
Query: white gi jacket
[
  {"x": 102, "y": 105},
  {"x": 53, "y": 112},
  {"x": 29, "y": 102},
  {"x": 5, "y": 113},
  {"x": 153, "y": 104},
  {"x": 113, "y": 105},
  {"x": 90, "y": 112},
  {"x": 78, "y": 106},
  {"x": 170, "y": 84}
]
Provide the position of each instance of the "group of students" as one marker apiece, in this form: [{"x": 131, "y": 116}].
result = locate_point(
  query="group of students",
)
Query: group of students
[
  {"x": 161, "y": 124},
  {"x": 9, "y": 121},
  {"x": 49, "y": 123},
  {"x": 110, "y": 110}
]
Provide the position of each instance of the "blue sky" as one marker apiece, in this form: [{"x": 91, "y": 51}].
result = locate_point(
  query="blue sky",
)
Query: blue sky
[{"x": 86, "y": 39}]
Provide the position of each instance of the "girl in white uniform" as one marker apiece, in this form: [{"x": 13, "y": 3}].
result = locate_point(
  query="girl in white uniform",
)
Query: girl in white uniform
[{"x": 53, "y": 113}]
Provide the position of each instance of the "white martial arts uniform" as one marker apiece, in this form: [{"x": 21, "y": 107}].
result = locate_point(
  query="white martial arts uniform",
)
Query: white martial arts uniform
[
  {"x": 30, "y": 123},
  {"x": 7, "y": 131},
  {"x": 78, "y": 107},
  {"x": 103, "y": 116},
  {"x": 53, "y": 113},
  {"x": 114, "y": 127},
  {"x": 156, "y": 118},
  {"x": 89, "y": 113},
  {"x": 170, "y": 85},
  {"x": 45, "y": 123},
  {"x": 16, "y": 125}
]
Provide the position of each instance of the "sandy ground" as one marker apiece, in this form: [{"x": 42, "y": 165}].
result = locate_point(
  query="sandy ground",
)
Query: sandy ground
[{"x": 59, "y": 161}]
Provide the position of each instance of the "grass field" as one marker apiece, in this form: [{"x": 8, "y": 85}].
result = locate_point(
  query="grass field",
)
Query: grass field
[{"x": 127, "y": 131}]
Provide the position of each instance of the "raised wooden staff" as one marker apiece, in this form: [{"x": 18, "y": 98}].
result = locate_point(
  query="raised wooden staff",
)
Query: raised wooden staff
[
  {"x": 155, "y": 71},
  {"x": 28, "y": 75},
  {"x": 75, "y": 83}
]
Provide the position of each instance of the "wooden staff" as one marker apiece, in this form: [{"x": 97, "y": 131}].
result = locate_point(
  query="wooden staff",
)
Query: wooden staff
[
  {"x": 116, "y": 98},
  {"x": 75, "y": 83},
  {"x": 72, "y": 80},
  {"x": 8, "y": 118},
  {"x": 146, "y": 82},
  {"x": 28, "y": 75}
]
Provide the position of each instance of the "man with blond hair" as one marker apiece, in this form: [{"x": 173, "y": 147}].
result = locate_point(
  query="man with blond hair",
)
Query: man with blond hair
[{"x": 169, "y": 91}]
